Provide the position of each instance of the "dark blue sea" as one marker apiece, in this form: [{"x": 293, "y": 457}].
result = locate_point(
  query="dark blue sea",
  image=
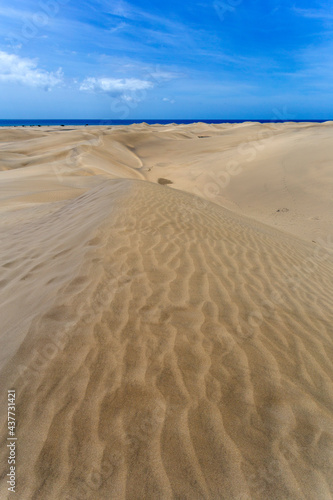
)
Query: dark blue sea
[{"x": 43, "y": 123}]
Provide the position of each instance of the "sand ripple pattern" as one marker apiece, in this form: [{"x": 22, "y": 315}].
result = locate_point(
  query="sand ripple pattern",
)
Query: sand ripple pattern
[{"x": 178, "y": 356}]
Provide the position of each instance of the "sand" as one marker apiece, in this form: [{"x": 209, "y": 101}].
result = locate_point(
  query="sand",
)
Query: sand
[{"x": 166, "y": 310}]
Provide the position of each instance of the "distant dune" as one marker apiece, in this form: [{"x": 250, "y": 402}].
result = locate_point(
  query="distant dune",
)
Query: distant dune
[{"x": 167, "y": 311}]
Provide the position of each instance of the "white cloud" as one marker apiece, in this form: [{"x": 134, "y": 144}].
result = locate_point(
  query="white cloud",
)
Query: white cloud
[
  {"x": 322, "y": 14},
  {"x": 118, "y": 27},
  {"x": 120, "y": 9},
  {"x": 167, "y": 99},
  {"x": 162, "y": 76},
  {"x": 24, "y": 71},
  {"x": 13, "y": 13},
  {"x": 127, "y": 89}
]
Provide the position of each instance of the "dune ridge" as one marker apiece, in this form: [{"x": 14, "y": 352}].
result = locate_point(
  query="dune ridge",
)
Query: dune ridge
[
  {"x": 278, "y": 173},
  {"x": 161, "y": 345}
]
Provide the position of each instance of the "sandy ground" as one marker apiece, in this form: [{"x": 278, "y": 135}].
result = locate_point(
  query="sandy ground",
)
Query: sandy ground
[{"x": 166, "y": 311}]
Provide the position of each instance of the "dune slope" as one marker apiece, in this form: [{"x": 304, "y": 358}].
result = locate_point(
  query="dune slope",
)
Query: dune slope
[{"x": 164, "y": 347}]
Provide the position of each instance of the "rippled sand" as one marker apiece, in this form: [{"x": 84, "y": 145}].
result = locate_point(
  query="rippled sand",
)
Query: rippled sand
[{"x": 166, "y": 310}]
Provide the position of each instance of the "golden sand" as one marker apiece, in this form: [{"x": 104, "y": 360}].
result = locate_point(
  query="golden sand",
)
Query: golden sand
[{"x": 166, "y": 310}]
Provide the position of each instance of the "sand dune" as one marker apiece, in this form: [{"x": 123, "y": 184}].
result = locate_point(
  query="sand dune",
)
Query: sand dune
[{"x": 168, "y": 341}]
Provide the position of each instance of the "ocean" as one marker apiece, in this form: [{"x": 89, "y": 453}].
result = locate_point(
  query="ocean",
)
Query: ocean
[{"x": 74, "y": 122}]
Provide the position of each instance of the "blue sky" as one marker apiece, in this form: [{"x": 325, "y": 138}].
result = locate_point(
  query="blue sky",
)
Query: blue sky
[{"x": 115, "y": 59}]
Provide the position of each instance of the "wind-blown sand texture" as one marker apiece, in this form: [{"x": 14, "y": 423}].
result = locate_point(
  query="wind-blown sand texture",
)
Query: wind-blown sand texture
[{"x": 168, "y": 340}]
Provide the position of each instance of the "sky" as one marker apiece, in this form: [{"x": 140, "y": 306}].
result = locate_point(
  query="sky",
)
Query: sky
[{"x": 114, "y": 59}]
